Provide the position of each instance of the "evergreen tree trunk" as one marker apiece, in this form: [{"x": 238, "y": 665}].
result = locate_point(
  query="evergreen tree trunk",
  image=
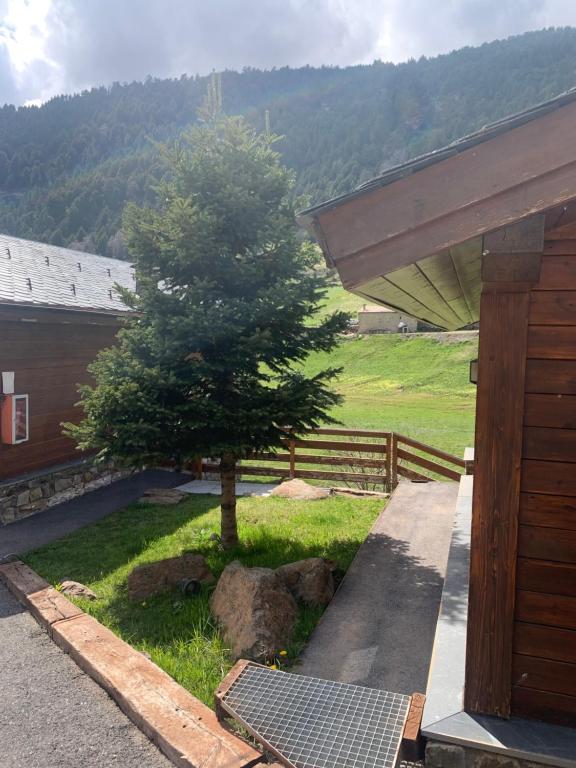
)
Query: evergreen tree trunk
[{"x": 228, "y": 526}]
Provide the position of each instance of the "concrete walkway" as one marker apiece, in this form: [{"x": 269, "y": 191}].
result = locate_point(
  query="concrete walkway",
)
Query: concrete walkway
[
  {"x": 51, "y": 714},
  {"x": 41, "y": 529},
  {"x": 379, "y": 629},
  {"x": 214, "y": 488}
]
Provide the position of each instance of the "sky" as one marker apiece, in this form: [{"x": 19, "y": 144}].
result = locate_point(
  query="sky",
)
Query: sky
[{"x": 49, "y": 47}]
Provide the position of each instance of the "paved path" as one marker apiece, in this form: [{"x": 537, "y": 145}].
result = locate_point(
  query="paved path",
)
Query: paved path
[
  {"x": 40, "y": 529},
  {"x": 51, "y": 714},
  {"x": 214, "y": 488},
  {"x": 379, "y": 629}
]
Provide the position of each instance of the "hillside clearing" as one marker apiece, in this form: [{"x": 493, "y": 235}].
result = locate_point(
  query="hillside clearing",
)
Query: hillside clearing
[{"x": 414, "y": 384}]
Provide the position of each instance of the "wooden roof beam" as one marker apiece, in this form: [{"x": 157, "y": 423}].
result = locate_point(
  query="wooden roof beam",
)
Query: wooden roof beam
[{"x": 512, "y": 176}]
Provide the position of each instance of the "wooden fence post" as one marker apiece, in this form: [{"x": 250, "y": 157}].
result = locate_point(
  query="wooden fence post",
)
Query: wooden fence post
[
  {"x": 388, "y": 482},
  {"x": 292, "y": 470},
  {"x": 197, "y": 468},
  {"x": 394, "y": 462}
]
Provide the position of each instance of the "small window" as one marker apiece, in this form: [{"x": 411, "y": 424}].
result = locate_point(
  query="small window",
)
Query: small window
[{"x": 20, "y": 433}]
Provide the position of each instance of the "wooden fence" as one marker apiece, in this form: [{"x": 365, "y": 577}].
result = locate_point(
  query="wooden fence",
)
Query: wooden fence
[{"x": 355, "y": 457}]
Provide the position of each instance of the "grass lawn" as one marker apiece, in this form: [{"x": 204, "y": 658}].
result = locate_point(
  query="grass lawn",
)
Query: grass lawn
[
  {"x": 338, "y": 298},
  {"x": 177, "y": 631}
]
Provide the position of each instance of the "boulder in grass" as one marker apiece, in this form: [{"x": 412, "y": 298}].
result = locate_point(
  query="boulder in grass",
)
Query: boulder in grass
[
  {"x": 163, "y": 575},
  {"x": 163, "y": 496},
  {"x": 75, "y": 589},
  {"x": 299, "y": 489},
  {"x": 310, "y": 580},
  {"x": 255, "y": 610}
]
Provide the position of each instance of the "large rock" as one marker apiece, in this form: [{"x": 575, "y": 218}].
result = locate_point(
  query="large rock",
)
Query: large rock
[
  {"x": 163, "y": 496},
  {"x": 255, "y": 610},
  {"x": 309, "y": 580},
  {"x": 299, "y": 489},
  {"x": 153, "y": 578}
]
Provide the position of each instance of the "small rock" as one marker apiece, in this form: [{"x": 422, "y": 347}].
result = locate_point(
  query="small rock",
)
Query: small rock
[
  {"x": 62, "y": 484},
  {"x": 309, "y": 580},
  {"x": 153, "y": 578},
  {"x": 74, "y": 588},
  {"x": 299, "y": 489},
  {"x": 163, "y": 496},
  {"x": 23, "y": 498},
  {"x": 255, "y": 609},
  {"x": 35, "y": 494},
  {"x": 439, "y": 755}
]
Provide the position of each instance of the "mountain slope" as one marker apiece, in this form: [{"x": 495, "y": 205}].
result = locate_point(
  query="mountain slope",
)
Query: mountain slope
[{"x": 68, "y": 167}]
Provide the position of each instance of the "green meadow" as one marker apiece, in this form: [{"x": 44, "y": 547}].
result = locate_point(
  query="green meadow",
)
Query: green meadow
[{"x": 414, "y": 384}]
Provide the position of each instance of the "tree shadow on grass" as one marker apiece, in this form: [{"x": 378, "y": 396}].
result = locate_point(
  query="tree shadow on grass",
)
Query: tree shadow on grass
[
  {"x": 171, "y": 617},
  {"x": 179, "y": 632},
  {"x": 379, "y": 627},
  {"x": 91, "y": 554}
]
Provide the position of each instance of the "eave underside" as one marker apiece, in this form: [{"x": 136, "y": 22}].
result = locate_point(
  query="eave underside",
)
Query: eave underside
[{"x": 442, "y": 289}]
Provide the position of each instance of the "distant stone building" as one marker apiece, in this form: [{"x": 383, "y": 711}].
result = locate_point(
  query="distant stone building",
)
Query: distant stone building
[{"x": 374, "y": 318}]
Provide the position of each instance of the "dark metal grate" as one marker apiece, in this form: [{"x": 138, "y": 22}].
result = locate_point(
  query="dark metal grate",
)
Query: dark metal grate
[{"x": 312, "y": 723}]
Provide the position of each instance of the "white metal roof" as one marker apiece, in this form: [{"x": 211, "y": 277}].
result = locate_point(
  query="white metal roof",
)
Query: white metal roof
[{"x": 36, "y": 274}]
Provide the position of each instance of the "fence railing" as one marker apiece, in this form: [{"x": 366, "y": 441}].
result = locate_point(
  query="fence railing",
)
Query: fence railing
[{"x": 355, "y": 457}]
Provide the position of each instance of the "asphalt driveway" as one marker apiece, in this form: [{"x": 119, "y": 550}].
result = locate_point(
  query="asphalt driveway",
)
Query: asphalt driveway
[
  {"x": 41, "y": 529},
  {"x": 52, "y": 715}
]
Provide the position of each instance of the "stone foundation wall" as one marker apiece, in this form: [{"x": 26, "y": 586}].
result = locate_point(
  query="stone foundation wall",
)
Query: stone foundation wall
[
  {"x": 34, "y": 493},
  {"x": 440, "y": 755}
]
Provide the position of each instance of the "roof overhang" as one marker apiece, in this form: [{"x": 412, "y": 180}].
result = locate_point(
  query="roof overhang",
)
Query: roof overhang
[
  {"x": 415, "y": 241},
  {"x": 34, "y": 313}
]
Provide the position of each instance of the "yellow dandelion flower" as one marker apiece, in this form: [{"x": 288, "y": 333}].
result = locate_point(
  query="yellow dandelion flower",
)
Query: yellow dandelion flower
[
  {"x": 283, "y": 653},
  {"x": 273, "y": 666}
]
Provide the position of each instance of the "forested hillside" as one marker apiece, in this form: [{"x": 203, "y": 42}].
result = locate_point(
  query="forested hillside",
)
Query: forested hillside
[{"x": 67, "y": 168}]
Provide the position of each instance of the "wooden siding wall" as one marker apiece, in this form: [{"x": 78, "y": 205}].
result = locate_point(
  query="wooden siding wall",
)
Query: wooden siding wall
[
  {"x": 544, "y": 640},
  {"x": 48, "y": 352}
]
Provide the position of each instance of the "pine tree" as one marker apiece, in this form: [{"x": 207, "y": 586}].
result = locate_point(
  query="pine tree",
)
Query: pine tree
[{"x": 227, "y": 296}]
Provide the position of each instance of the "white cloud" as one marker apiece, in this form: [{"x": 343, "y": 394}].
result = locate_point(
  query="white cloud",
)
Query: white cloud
[
  {"x": 53, "y": 46},
  {"x": 24, "y": 24}
]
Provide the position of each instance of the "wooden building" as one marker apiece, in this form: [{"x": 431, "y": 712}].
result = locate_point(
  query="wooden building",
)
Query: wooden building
[
  {"x": 485, "y": 229},
  {"x": 58, "y": 308}
]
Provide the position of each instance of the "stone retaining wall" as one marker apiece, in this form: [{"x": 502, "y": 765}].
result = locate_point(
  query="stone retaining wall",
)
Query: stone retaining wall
[
  {"x": 440, "y": 755},
  {"x": 31, "y": 494}
]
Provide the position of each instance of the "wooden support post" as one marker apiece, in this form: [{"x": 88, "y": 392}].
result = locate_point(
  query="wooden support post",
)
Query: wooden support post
[
  {"x": 510, "y": 266},
  {"x": 412, "y": 743}
]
